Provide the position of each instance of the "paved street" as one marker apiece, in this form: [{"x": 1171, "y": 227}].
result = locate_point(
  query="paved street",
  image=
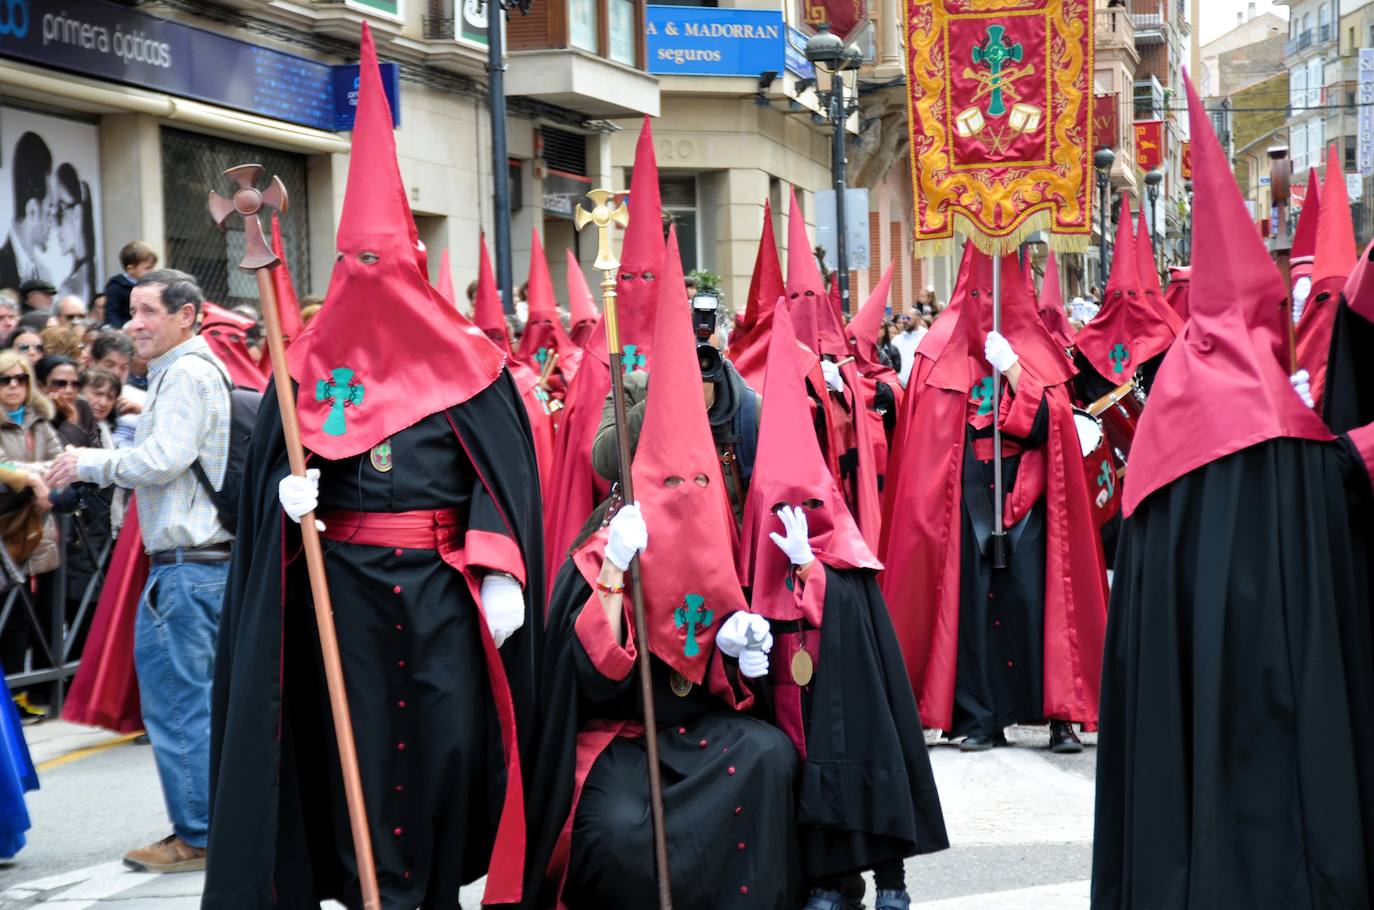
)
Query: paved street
[{"x": 1020, "y": 821}]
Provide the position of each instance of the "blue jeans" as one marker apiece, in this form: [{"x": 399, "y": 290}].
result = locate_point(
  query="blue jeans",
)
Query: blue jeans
[{"x": 174, "y": 654}]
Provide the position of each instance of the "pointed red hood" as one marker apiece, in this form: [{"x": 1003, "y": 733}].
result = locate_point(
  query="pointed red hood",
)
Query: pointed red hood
[
  {"x": 805, "y": 287},
  {"x": 863, "y": 329},
  {"x": 487, "y": 313},
  {"x": 445, "y": 283},
  {"x": 641, "y": 260},
  {"x": 765, "y": 284},
  {"x": 1336, "y": 250},
  {"x": 1180, "y": 278},
  {"x": 1128, "y": 330},
  {"x": 288, "y": 306},
  {"x": 678, "y": 483},
  {"x": 1052, "y": 305},
  {"x": 790, "y": 469},
  {"x": 226, "y": 332},
  {"x": 1305, "y": 237},
  {"x": 1223, "y": 387},
  {"x": 1359, "y": 287},
  {"x": 1149, "y": 276},
  {"x": 544, "y": 335},
  {"x": 582, "y": 314},
  {"x": 366, "y": 363}
]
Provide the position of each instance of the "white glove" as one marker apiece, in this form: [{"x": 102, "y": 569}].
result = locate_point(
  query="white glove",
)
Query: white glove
[
  {"x": 833, "y": 382},
  {"x": 300, "y": 495},
  {"x": 1302, "y": 384},
  {"x": 795, "y": 543},
  {"x": 503, "y": 604},
  {"x": 629, "y": 535},
  {"x": 745, "y": 636},
  {"x": 999, "y": 353}
]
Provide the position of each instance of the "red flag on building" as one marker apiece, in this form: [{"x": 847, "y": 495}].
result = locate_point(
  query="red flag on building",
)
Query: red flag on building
[
  {"x": 1001, "y": 122},
  {"x": 1186, "y": 167},
  {"x": 843, "y": 16},
  {"x": 1149, "y": 144},
  {"x": 1105, "y": 127}
]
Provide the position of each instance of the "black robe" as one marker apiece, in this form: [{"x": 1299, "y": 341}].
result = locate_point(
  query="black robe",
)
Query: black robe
[
  {"x": 429, "y": 743},
  {"x": 1349, "y": 399},
  {"x": 728, "y": 783},
  {"x": 867, "y": 794},
  {"x": 1235, "y": 759}
]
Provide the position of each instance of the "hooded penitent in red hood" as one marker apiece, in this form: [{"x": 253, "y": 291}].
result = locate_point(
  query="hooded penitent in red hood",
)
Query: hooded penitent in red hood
[
  {"x": 1335, "y": 257},
  {"x": 806, "y": 293},
  {"x": 532, "y": 395},
  {"x": 1149, "y": 275},
  {"x": 862, "y": 335},
  {"x": 789, "y": 469},
  {"x": 1128, "y": 330},
  {"x": 444, "y": 284},
  {"x": 226, "y": 333},
  {"x": 582, "y": 314},
  {"x": 577, "y": 488},
  {"x": 1177, "y": 295},
  {"x": 1224, "y": 386},
  {"x": 544, "y": 335},
  {"x": 288, "y": 306},
  {"x": 922, "y": 536},
  {"x": 749, "y": 343},
  {"x": 1305, "y": 237},
  {"x": 1052, "y": 305},
  {"x": 679, "y": 485},
  {"x": 487, "y": 313},
  {"x": 366, "y": 363}
]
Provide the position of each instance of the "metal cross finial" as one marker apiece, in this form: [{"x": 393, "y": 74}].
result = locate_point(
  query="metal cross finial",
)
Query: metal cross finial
[
  {"x": 248, "y": 201},
  {"x": 603, "y": 215}
]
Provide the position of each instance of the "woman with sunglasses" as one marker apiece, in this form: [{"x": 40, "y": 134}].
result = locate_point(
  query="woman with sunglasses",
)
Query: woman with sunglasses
[
  {"x": 27, "y": 342},
  {"x": 72, "y": 415},
  {"x": 28, "y": 442}
]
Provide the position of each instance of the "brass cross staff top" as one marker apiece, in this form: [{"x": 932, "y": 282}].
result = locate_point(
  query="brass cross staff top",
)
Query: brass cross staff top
[
  {"x": 603, "y": 216},
  {"x": 248, "y": 201}
]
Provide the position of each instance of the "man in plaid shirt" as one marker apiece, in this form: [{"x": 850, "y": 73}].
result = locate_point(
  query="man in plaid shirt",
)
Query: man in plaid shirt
[{"x": 186, "y": 419}]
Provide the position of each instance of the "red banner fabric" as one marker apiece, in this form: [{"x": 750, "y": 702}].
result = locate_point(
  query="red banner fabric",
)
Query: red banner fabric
[
  {"x": 1149, "y": 144},
  {"x": 1105, "y": 129}
]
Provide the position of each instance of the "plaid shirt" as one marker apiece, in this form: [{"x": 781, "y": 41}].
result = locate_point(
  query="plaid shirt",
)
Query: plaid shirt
[{"x": 186, "y": 417}]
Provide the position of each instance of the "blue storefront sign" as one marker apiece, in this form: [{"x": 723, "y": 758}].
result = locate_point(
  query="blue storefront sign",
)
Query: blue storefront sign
[
  {"x": 107, "y": 41},
  {"x": 699, "y": 41},
  {"x": 345, "y": 79},
  {"x": 796, "y": 54}
]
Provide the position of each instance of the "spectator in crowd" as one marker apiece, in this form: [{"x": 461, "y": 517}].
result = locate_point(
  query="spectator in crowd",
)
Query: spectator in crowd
[
  {"x": 310, "y": 305},
  {"x": 36, "y": 320},
  {"x": 186, "y": 421},
  {"x": 137, "y": 260},
  {"x": 70, "y": 311},
  {"x": 913, "y": 329},
  {"x": 100, "y": 389},
  {"x": 888, "y": 354},
  {"x": 29, "y": 442},
  {"x": 98, "y": 309},
  {"x": 113, "y": 351},
  {"x": 36, "y": 294},
  {"x": 27, "y": 343},
  {"x": 61, "y": 341},
  {"x": 72, "y": 417},
  {"x": 9, "y": 314},
  {"x": 925, "y": 302}
]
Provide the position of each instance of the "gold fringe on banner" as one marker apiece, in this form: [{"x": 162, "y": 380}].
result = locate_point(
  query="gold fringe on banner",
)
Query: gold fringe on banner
[{"x": 1006, "y": 244}]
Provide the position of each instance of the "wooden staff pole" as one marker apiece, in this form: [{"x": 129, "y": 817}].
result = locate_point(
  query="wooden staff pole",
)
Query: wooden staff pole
[
  {"x": 605, "y": 217},
  {"x": 259, "y": 258},
  {"x": 1281, "y": 243}
]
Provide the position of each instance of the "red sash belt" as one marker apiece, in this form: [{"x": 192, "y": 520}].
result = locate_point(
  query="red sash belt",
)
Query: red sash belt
[
  {"x": 425, "y": 529},
  {"x": 982, "y": 448}
]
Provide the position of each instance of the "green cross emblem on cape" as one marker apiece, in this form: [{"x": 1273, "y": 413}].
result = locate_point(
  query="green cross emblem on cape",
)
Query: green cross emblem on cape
[
  {"x": 994, "y": 53},
  {"x": 1119, "y": 355},
  {"x": 341, "y": 391},
  {"x": 541, "y": 356},
  {"x": 981, "y": 395},
  {"x": 692, "y": 616},
  {"x": 631, "y": 359},
  {"x": 1104, "y": 479}
]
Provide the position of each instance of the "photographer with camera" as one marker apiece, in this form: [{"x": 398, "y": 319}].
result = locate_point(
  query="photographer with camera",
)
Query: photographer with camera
[{"x": 732, "y": 408}]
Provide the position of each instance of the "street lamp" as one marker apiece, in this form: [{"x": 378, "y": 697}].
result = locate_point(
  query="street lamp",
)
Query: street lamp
[
  {"x": 1102, "y": 161},
  {"x": 826, "y": 51},
  {"x": 1188, "y": 229},
  {"x": 1152, "y": 182}
]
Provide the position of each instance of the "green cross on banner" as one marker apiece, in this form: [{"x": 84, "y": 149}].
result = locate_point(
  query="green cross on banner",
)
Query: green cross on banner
[
  {"x": 1104, "y": 478},
  {"x": 1119, "y": 355},
  {"x": 981, "y": 394},
  {"x": 993, "y": 53},
  {"x": 693, "y": 617},
  {"x": 341, "y": 391},
  {"x": 631, "y": 359}
]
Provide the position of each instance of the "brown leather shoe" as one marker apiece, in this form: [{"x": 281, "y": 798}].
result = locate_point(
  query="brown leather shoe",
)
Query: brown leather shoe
[{"x": 171, "y": 854}]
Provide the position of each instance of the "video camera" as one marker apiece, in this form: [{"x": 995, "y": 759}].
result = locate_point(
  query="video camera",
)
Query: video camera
[{"x": 705, "y": 318}]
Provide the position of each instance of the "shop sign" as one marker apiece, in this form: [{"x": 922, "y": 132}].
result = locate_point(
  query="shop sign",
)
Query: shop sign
[
  {"x": 563, "y": 191},
  {"x": 107, "y": 41},
  {"x": 703, "y": 41},
  {"x": 795, "y": 53},
  {"x": 1365, "y": 100}
]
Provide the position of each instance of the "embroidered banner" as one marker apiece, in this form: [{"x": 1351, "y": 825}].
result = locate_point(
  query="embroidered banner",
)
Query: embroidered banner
[
  {"x": 1149, "y": 144},
  {"x": 1185, "y": 169},
  {"x": 1105, "y": 129},
  {"x": 1000, "y": 107},
  {"x": 843, "y": 16}
]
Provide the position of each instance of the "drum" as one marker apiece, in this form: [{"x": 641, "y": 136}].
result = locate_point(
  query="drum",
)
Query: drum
[
  {"x": 1102, "y": 468},
  {"x": 1119, "y": 411}
]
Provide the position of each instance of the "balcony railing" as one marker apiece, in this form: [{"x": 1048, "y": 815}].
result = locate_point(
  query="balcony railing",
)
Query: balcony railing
[
  {"x": 1309, "y": 37},
  {"x": 1114, "y": 28},
  {"x": 438, "y": 28}
]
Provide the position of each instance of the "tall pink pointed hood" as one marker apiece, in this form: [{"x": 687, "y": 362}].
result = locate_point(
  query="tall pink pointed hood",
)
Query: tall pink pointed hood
[
  {"x": 582, "y": 314},
  {"x": 544, "y": 335},
  {"x": 805, "y": 288},
  {"x": 1052, "y": 305},
  {"x": 445, "y": 283},
  {"x": 1224, "y": 386},
  {"x": 1305, "y": 237},
  {"x": 486, "y": 303},
  {"x": 864, "y": 327},
  {"x": 1335, "y": 252},
  {"x": 365, "y": 364}
]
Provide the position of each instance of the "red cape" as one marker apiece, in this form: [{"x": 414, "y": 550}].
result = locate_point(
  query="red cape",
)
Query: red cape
[
  {"x": 226, "y": 332},
  {"x": 922, "y": 536}
]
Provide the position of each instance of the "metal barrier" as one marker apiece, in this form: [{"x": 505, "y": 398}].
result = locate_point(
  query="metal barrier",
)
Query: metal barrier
[{"x": 54, "y": 646}]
